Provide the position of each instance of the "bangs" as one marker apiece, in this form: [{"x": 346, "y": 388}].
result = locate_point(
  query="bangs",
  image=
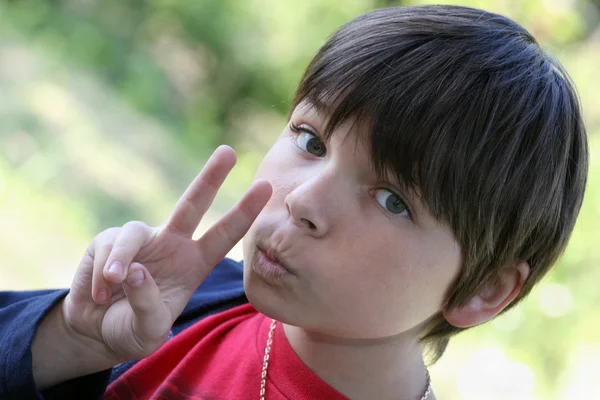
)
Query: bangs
[{"x": 435, "y": 105}]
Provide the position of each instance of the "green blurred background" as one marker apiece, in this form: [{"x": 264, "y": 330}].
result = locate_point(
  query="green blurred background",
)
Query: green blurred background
[{"x": 108, "y": 109}]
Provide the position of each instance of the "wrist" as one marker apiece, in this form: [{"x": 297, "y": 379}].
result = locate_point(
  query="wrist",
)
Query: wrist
[{"x": 60, "y": 354}]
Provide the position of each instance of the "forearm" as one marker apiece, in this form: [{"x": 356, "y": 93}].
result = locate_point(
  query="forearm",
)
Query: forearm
[{"x": 59, "y": 354}]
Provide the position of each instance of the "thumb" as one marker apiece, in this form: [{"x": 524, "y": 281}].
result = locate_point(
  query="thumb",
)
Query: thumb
[{"x": 152, "y": 318}]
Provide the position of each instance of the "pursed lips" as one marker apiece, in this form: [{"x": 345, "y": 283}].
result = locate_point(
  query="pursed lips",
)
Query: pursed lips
[{"x": 274, "y": 256}]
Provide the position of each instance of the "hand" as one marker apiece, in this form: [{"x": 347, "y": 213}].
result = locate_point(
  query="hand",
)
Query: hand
[{"x": 134, "y": 281}]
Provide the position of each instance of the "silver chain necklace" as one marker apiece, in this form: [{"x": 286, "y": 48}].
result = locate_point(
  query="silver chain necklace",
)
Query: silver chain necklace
[{"x": 263, "y": 375}]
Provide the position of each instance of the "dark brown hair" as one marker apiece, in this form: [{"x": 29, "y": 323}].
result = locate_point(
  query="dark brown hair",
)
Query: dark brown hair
[{"x": 464, "y": 106}]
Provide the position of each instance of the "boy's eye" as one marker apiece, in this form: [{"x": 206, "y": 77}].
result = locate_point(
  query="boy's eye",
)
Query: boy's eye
[
  {"x": 311, "y": 144},
  {"x": 390, "y": 201}
]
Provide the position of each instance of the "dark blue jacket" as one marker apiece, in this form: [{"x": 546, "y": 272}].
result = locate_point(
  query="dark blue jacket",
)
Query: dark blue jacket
[{"x": 21, "y": 313}]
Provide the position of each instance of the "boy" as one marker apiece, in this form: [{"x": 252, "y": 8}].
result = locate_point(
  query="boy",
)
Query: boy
[{"x": 430, "y": 174}]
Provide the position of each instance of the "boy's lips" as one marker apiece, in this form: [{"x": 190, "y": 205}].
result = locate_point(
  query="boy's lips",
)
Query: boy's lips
[
  {"x": 273, "y": 256},
  {"x": 269, "y": 269}
]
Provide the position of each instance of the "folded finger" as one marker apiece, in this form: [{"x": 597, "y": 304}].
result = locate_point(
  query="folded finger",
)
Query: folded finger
[
  {"x": 101, "y": 289},
  {"x": 133, "y": 236},
  {"x": 152, "y": 319}
]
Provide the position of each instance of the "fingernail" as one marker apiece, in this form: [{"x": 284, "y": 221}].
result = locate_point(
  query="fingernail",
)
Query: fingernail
[
  {"x": 116, "y": 268},
  {"x": 135, "y": 278},
  {"x": 102, "y": 295}
]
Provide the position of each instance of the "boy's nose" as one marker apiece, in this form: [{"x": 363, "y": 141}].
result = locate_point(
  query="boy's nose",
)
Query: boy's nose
[{"x": 310, "y": 205}]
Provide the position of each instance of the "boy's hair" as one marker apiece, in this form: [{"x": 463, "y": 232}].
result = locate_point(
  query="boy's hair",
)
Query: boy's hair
[{"x": 467, "y": 110}]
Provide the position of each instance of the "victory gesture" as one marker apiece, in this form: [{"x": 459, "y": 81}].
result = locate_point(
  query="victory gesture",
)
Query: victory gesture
[{"x": 134, "y": 281}]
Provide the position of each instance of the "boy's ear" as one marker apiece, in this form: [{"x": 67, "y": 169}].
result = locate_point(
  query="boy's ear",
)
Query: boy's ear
[{"x": 491, "y": 300}]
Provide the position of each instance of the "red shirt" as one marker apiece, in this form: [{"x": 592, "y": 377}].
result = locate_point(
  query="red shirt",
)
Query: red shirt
[{"x": 221, "y": 357}]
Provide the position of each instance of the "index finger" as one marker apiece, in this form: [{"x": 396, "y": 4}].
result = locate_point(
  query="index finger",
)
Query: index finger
[{"x": 198, "y": 197}]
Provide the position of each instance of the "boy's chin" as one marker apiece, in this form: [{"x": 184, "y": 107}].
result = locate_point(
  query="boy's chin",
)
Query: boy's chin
[{"x": 259, "y": 299}]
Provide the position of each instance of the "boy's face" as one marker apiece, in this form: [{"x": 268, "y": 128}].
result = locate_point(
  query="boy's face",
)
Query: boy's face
[{"x": 360, "y": 261}]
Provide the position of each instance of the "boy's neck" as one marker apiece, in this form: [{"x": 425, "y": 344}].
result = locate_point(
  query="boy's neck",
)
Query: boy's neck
[{"x": 386, "y": 369}]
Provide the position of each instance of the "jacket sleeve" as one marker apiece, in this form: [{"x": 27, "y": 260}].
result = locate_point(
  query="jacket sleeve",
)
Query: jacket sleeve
[
  {"x": 22, "y": 312},
  {"x": 20, "y": 315}
]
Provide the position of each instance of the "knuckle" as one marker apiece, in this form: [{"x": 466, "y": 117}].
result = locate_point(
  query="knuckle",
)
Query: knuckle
[
  {"x": 226, "y": 230},
  {"x": 211, "y": 179},
  {"x": 103, "y": 239},
  {"x": 120, "y": 250},
  {"x": 104, "y": 235},
  {"x": 245, "y": 215},
  {"x": 108, "y": 233},
  {"x": 113, "y": 230},
  {"x": 188, "y": 202},
  {"x": 135, "y": 226},
  {"x": 106, "y": 248}
]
